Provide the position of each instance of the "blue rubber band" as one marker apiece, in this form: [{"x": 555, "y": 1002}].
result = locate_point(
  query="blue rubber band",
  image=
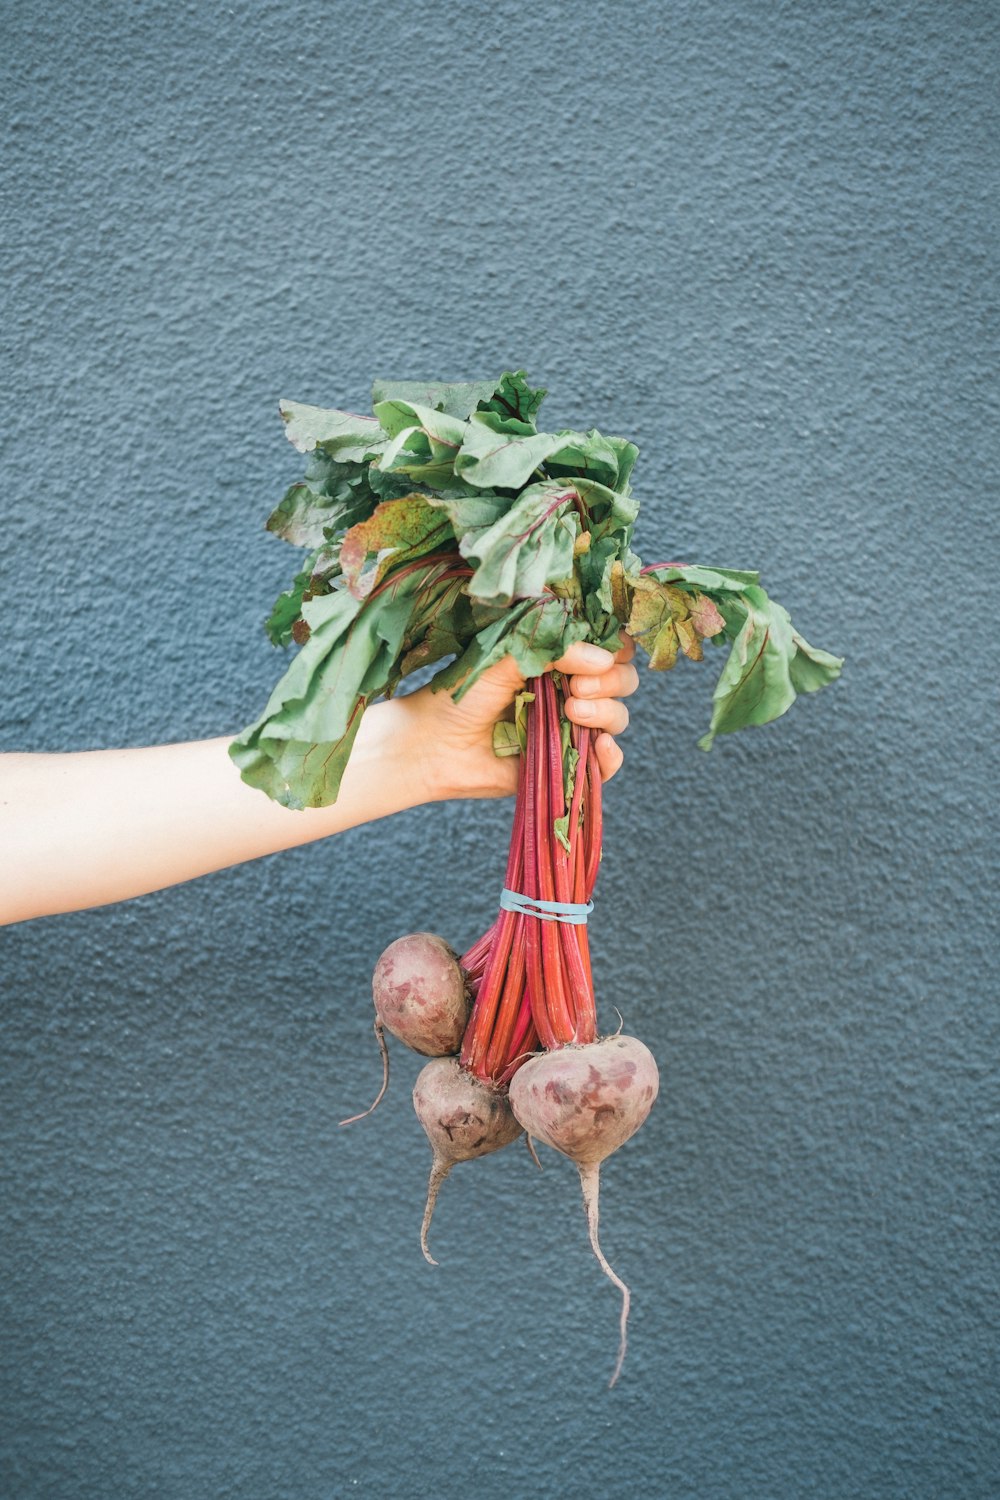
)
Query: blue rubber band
[{"x": 546, "y": 911}]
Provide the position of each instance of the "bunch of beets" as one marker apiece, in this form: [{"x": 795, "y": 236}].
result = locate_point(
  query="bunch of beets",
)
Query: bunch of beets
[{"x": 446, "y": 527}]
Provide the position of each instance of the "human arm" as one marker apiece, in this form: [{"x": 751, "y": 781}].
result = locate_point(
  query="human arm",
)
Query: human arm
[{"x": 91, "y": 827}]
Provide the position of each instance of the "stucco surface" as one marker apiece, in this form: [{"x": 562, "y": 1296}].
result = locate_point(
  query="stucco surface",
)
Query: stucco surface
[{"x": 761, "y": 241}]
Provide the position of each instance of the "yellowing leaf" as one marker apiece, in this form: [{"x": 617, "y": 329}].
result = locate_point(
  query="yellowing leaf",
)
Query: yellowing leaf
[
  {"x": 662, "y": 647},
  {"x": 688, "y": 637},
  {"x": 395, "y": 531}
]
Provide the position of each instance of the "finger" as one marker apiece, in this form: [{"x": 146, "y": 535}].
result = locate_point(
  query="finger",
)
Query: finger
[
  {"x": 627, "y": 649},
  {"x": 598, "y": 713},
  {"x": 585, "y": 657},
  {"x": 620, "y": 682},
  {"x": 609, "y": 756}
]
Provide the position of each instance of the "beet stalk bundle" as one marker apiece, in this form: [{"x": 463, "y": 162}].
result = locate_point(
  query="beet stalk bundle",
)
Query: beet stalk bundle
[
  {"x": 445, "y": 528},
  {"x": 536, "y": 986}
]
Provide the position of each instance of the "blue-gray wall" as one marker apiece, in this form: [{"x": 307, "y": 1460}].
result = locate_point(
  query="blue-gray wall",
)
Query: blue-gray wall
[{"x": 762, "y": 241}]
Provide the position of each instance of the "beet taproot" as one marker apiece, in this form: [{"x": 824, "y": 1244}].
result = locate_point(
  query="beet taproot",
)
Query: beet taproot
[
  {"x": 462, "y": 1118},
  {"x": 586, "y": 1102}
]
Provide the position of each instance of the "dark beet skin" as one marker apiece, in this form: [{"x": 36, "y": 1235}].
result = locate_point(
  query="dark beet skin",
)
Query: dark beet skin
[
  {"x": 462, "y": 1118},
  {"x": 586, "y": 1101},
  {"x": 420, "y": 995}
]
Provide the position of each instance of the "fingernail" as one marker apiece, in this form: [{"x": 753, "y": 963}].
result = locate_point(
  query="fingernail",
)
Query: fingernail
[
  {"x": 582, "y": 710},
  {"x": 594, "y": 656}
]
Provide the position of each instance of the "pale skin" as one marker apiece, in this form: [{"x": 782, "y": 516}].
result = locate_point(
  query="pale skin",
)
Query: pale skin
[{"x": 95, "y": 826}]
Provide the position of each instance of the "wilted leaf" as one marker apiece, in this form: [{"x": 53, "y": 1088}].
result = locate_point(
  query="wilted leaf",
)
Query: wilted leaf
[
  {"x": 688, "y": 637},
  {"x": 298, "y": 748},
  {"x": 767, "y": 665},
  {"x": 705, "y": 616}
]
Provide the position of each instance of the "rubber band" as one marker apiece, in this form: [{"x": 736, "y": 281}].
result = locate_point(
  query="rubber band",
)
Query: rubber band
[{"x": 573, "y": 912}]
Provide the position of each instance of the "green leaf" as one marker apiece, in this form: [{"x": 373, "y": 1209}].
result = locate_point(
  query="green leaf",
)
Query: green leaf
[
  {"x": 510, "y": 396},
  {"x": 307, "y": 516},
  {"x": 769, "y": 663},
  {"x": 423, "y": 442},
  {"x": 543, "y": 634},
  {"x": 527, "y": 548},
  {"x": 570, "y": 761},
  {"x": 440, "y": 625},
  {"x": 610, "y": 512},
  {"x": 340, "y": 434},
  {"x": 458, "y": 399},
  {"x": 388, "y": 486},
  {"x": 515, "y": 398},
  {"x": 471, "y": 511},
  {"x": 438, "y": 427},
  {"x": 626, "y": 453},
  {"x": 500, "y": 452},
  {"x": 587, "y": 454},
  {"x": 535, "y": 632},
  {"x": 492, "y": 457},
  {"x": 297, "y": 750},
  {"x": 287, "y": 609},
  {"x": 272, "y": 752},
  {"x": 725, "y": 580},
  {"x": 811, "y": 668},
  {"x": 505, "y": 741},
  {"x": 321, "y": 568}
]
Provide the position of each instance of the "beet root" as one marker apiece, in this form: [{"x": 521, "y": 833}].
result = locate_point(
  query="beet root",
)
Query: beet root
[
  {"x": 462, "y": 1118},
  {"x": 586, "y": 1102},
  {"x": 420, "y": 996}
]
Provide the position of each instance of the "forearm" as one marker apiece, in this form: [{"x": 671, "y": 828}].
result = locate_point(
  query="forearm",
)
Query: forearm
[{"x": 92, "y": 827}]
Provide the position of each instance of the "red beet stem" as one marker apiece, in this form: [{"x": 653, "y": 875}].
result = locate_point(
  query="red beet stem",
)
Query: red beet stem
[
  {"x": 476, "y": 1041},
  {"x": 511, "y": 1000},
  {"x": 529, "y": 881},
  {"x": 555, "y": 996},
  {"x": 578, "y": 986},
  {"x": 532, "y": 979}
]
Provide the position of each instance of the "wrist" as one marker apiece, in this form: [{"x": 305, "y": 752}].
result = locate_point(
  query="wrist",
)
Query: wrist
[{"x": 393, "y": 746}]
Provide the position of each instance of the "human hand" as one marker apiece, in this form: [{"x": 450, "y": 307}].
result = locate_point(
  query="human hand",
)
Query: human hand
[{"x": 455, "y": 740}]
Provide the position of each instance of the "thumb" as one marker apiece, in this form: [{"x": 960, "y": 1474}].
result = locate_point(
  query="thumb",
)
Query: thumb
[{"x": 497, "y": 688}]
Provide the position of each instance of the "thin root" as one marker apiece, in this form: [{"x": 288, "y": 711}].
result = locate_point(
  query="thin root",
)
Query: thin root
[
  {"x": 531, "y": 1150},
  {"x": 621, "y": 1020},
  {"x": 380, "y": 1038},
  {"x": 590, "y": 1182},
  {"x": 439, "y": 1171}
]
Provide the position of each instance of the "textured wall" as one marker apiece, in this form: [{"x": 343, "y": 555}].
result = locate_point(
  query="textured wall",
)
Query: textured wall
[{"x": 761, "y": 240}]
